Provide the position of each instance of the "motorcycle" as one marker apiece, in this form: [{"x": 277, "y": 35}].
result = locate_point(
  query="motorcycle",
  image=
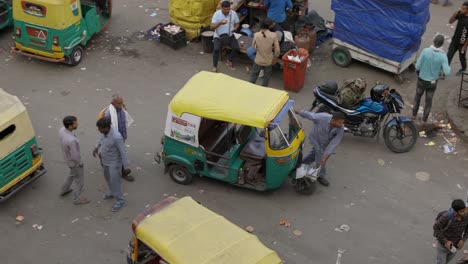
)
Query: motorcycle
[{"x": 366, "y": 119}]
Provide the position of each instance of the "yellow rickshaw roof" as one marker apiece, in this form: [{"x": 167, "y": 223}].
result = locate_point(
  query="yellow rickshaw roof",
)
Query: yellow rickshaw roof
[
  {"x": 185, "y": 232},
  {"x": 58, "y": 13},
  {"x": 10, "y": 107},
  {"x": 221, "y": 97}
]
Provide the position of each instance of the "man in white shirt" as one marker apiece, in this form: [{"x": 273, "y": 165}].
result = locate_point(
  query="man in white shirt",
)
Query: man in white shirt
[{"x": 224, "y": 23}]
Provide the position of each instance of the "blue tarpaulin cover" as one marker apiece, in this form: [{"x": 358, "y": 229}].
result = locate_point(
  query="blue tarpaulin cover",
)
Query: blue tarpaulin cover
[{"x": 391, "y": 29}]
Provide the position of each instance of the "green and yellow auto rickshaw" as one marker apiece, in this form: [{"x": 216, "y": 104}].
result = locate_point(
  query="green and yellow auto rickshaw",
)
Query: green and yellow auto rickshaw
[
  {"x": 56, "y": 30},
  {"x": 231, "y": 130},
  {"x": 181, "y": 231},
  {"x": 20, "y": 156},
  {"x": 6, "y": 17}
]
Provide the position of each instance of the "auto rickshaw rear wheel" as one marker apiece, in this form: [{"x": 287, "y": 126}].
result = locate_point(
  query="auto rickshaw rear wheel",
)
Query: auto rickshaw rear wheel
[
  {"x": 180, "y": 174},
  {"x": 76, "y": 56},
  {"x": 305, "y": 186}
]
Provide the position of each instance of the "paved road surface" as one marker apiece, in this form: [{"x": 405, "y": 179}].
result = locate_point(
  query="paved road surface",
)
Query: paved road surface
[{"x": 375, "y": 192}]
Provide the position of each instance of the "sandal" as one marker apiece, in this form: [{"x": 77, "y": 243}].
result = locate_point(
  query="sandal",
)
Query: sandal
[
  {"x": 117, "y": 206},
  {"x": 229, "y": 65}
]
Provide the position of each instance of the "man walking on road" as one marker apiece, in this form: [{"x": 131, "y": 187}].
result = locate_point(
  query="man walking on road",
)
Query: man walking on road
[
  {"x": 120, "y": 120},
  {"x": 451, "y": 231},
  {"x": 72, "y": 156},
  {"x": 428, "y": 66},
  {"x": 324, "y": 137},
  {"x": 113, "y": 156},
  {"x": 459, "y": 42}
]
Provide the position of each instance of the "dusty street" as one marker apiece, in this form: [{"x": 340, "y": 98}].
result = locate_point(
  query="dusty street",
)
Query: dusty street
[{"x": 384, "y": 198}]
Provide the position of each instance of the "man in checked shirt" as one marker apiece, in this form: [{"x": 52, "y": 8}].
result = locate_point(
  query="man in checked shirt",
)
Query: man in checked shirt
[{"x": 451, "y": 231}]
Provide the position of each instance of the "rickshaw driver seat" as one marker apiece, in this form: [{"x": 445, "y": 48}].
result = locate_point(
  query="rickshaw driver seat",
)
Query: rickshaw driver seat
[{"x": 254, "y": 150}]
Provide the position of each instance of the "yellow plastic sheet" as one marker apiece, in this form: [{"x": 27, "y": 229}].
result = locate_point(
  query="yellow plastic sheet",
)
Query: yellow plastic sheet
[
  {"x": 187, "y": 233},
  {"x": 192, "y": 14},
  {"x": 221, "y": 97}
]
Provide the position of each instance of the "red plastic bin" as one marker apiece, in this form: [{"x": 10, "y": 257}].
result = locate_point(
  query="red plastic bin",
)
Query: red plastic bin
[{"x": 294, "y": 72}]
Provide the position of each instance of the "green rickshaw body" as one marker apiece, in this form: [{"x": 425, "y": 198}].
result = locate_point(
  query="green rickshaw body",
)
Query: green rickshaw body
[
  {"x": 6, "y": 15},
  {"x": 227, "y": 129},
  {"x": 54, "y": 30}
]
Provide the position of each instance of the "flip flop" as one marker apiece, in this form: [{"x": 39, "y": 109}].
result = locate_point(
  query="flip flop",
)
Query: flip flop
[{"x": 229, "y": 65}]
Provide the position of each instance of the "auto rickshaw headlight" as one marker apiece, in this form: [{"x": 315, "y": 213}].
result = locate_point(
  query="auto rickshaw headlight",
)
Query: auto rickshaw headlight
[{"x": 34, "y": 150}]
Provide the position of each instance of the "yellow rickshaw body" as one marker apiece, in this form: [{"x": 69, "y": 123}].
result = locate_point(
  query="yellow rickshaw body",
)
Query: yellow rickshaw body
[
  {"x": 185, "y": 232},
  {"x": 20, "y": 159},
  {"x": 54, "y": 14},
  {"x": 221, "y": 97}
]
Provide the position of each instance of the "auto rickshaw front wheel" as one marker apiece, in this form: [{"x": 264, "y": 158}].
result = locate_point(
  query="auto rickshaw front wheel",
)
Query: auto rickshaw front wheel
[
  {"x": 180, "y": 174},
  {"x": 305, "y": 186},
  {"x": 75, "y": 56}
]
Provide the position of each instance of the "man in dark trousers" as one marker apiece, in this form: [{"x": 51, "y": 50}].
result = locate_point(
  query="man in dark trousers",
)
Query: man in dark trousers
[
  {"x": 459, "y": 42},
  {"x": 451, "y": 231},
  {"x": 428, "y": 67},
  {"x": 324, "y": 137}
]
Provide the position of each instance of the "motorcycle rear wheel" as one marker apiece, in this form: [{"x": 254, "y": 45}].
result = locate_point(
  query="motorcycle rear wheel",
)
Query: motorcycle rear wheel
[{"x": 401, "y": 137}]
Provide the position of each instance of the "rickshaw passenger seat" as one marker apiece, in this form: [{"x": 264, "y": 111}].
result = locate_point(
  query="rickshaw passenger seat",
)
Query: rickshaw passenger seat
[{"x": 254, "y": 150}]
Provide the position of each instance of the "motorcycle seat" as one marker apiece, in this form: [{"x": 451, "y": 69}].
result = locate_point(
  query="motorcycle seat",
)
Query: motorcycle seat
[{"x": 335, "y": 99}]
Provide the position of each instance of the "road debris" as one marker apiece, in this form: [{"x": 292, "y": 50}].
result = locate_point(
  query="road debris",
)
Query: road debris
[
  {"x": 285, "y": 223},
  {"x": 297, "y": 232},
  {"x": 343, "y": 228},
  {"x": 430, "y": 144},
  {"x": 75, "y": 220},
  {"x": 422, "y": 134},
  {"x": 338, "y": 257},
  {"x": 349, "y": 205},
  {"x": 448, "y": 148},
  {"x": 19, "y": 218},
  {"x": 249, "y": 229},
  {"x": 422, "y": 176},
  {"x": 459, "y": 186},
  {"x": 37, "y": 227},
  {"x": 381, "y": 162}
]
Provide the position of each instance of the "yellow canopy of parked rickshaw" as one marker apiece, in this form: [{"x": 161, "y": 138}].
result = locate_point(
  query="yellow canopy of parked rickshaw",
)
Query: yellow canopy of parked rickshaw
[
  {"x": 58, "y": 13},
  {"x": 13, "y": 113},
  {"x": 187, "y": 233},
  {"x": 221, "y": 97}
]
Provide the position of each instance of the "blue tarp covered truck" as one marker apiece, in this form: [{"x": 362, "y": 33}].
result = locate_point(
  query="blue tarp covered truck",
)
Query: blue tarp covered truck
[{"x": 383, "y": 33}]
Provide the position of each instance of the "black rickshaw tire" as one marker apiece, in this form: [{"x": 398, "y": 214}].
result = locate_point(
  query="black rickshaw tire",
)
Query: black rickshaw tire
[
  {"x": 305, "y": 186},
  {"x": 180, "y": 174},
  {"x": 76, "y": 56}
]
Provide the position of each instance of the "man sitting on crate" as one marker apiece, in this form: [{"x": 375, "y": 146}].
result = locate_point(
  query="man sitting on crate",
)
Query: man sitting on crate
[{"x": 224, "y": 23}]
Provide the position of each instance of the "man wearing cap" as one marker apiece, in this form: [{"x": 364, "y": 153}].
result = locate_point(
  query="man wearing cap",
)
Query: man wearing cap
[
  {"x": 431, "y": 61},
  {"x": 224, "y": 23}
]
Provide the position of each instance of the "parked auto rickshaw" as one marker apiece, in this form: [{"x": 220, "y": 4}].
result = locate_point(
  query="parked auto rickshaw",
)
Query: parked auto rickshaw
[
  {"x": 20, "y": 157},
  {"x": 231, "y": 130},
  {"x": 6, "y": 18},
  {"x": 181, "y": 231},
  {"x": 57, "y": 30}
]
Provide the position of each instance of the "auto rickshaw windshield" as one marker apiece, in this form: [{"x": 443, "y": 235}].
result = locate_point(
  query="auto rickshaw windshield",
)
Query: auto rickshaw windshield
[{"x": 282, "y": 130}]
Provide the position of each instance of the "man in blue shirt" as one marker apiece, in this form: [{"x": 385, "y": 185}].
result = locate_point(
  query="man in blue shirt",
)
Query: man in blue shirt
[
  {"x": 431, "y": 61},
  {"x": 277, "y": 10},
  {"x": 224, "y": 23}
]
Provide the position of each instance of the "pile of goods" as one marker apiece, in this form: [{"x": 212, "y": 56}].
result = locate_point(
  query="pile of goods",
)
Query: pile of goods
[{"x": 173, "y": 29}]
